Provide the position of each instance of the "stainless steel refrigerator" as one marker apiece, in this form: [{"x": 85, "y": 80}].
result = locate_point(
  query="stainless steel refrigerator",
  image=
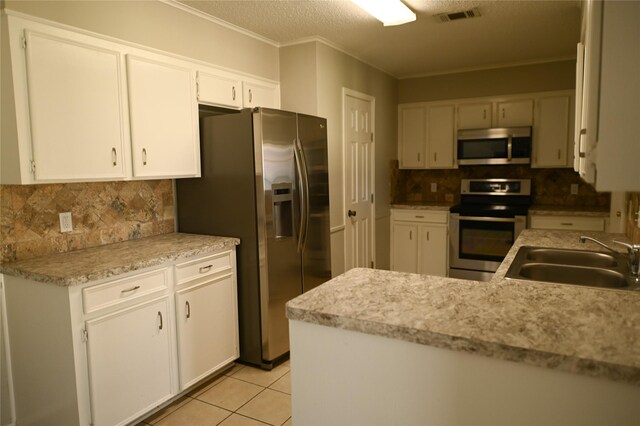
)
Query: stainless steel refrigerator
[{"x": 264, "y": 180}]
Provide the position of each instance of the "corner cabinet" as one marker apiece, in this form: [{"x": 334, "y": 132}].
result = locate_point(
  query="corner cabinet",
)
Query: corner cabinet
[
  {"x": 419, "y": 241},
  {"x": 119, "y": 348},
  {"x": 553, "y": 131},
  {"x": 164, "y": 118}
]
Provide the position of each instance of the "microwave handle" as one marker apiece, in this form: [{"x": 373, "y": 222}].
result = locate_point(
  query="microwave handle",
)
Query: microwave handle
[{"x": 510, "y": 148}]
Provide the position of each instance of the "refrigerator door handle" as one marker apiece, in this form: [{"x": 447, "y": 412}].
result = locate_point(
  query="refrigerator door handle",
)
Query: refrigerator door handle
[
  {"x": 298, "y": 161},
  {"x": 305, "y": 194}
]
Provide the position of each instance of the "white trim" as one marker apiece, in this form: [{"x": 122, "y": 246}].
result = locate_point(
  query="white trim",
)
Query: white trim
[
  {"x": 355, "y": 94},
  {"x": 337, "y": 229},
  {"x": 7, "y": 353},
  {"x": 221, "y": 22},
  {"x": 490, "y": 67}
]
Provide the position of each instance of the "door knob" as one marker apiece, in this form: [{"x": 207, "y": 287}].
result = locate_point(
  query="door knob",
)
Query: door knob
[{"x": 351, "y": 213}]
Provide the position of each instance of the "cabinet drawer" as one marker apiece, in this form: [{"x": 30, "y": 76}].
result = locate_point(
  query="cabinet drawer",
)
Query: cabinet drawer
[
  {"x": 576, "y": 223},
  {"x": 114, "y": 292},
  {"x": 421, "y": 216},
  {"x": 202, "y": 267}
]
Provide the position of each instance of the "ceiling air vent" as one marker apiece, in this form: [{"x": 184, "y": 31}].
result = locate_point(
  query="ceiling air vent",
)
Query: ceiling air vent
[{"x": 454, "y": 16}]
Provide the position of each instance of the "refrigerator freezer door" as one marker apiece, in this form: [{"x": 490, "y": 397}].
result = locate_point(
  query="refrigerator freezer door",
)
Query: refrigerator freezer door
[
  {"x": 316, "y": 260},
  {"x": 278, "y": 209}
]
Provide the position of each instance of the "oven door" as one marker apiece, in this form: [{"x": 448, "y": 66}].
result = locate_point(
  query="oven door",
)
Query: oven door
[{"x": 481, "y": 243}]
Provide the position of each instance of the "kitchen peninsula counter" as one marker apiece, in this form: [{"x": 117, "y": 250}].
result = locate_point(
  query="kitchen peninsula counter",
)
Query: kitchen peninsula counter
[
  {"x": 386, "y": 347},
  {"x": 95, "y": 263},
  {"x": 545, "y": 210}
]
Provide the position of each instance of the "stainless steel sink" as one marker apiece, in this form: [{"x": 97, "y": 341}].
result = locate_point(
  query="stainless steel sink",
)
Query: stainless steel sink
[
  {"x": 577, "y": 275},
  {"x": 576, "y": 267},
  {"x": 572, "y": 257}
]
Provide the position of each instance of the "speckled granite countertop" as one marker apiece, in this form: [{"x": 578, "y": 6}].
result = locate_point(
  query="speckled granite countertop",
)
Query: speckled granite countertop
[
  {"x": 81, "y": 266},
  {"x": 424, "y": 206},
  {"x": 568, "y": 211},
  {"x": 570, "y": 328}
]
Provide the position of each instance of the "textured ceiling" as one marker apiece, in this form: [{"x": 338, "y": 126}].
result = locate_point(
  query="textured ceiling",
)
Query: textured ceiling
[{"x": 508, "y": 32}]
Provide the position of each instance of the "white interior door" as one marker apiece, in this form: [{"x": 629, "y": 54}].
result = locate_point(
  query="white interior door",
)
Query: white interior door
[{"x": 359, "y": 218}]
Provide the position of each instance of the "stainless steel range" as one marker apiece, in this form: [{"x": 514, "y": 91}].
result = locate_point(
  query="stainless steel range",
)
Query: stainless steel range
[{"x": 490, "y": 216}]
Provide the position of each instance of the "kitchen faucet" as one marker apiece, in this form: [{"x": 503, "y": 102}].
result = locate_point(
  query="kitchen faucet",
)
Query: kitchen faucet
[{"x": 633, "y": 253}]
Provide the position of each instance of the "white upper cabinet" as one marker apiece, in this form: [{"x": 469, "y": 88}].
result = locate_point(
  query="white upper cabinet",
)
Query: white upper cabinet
[
  {"x": 78, "y": 117},
  {"x": 260, "y": 94},
  {"x": 219, "y": 90},
  {"x": 551, "y": 132},
  {"x": 515, "y": 113},
  {"x": 164, "y": 119},
  {"x": 474, "y": 116},
  {"x": 411, "y": 135},
  {"x": 441, "y": 136}
]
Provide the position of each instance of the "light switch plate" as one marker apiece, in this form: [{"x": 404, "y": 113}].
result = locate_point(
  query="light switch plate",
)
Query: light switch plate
[
  {"x": 574, "y": 189},
  {"x": 434, "y": 187},
  {"x": 66, "y": 224}
]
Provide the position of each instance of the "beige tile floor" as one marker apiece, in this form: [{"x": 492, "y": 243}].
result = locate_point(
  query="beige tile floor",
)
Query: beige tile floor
[{"x": 242, "y": 396}]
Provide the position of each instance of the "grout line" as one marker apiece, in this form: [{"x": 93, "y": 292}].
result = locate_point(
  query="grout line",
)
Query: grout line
[
  {"x": 279, "y": 391},
  {"x": 286, "y": 420}
]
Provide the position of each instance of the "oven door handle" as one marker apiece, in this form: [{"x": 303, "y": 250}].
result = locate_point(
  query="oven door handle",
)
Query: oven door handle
[{"x": 488, "y": 219}]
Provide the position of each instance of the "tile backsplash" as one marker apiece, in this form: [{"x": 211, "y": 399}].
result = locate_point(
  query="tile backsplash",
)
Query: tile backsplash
[
  {"x": 102, "y": 213},
  {"x": 549, "y": 186}
]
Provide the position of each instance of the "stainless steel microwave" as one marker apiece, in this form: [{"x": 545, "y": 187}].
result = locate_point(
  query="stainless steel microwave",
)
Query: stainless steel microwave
[{"x": 507, "y": 145}]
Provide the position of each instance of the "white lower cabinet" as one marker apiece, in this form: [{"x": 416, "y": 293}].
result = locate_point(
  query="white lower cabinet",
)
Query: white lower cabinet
[
  {"x": 207, "y": 325},
  {"x": 419, "y": 241},
  {"x": 109, "y": 351},
  {"x": 129, "y": 358}
]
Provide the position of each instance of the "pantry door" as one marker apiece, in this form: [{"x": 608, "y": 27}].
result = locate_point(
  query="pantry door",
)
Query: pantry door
[{"x": 358, "y": 125}]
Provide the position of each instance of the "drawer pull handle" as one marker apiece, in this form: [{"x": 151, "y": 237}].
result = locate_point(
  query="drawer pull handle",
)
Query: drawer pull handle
[
  {"x": 130, "y": 289},
  {"x": 188, "y": 306},
  {"x": 566, "y": 223},
  {"x": 419, "y": 217},
  {"x": 204, "y": 269},
  {"x": 161, "y": 324}
]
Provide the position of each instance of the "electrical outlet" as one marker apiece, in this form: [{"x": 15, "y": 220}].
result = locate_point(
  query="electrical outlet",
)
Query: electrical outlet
[
  {"x": 434, "y": 187},
  {"x": 65, "y": 222},
  {"x": 574, "y": 189}
]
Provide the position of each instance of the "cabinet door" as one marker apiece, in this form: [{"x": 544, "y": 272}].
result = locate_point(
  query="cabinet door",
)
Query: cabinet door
[
  {"x": 164, "y": 119},
  {"x": 404, "y": 250},
  {"x": 129, "y": 357},
  {"x": 515, "y": 113},
  {"x": 433, "y": 250},
  {"x": 551, "y": 133},
  {"x": 441, "y": 136},
  {"x": 474, "y": 116},
  {"x": 76, "y": 110},
  {"x": 207, "y": 323},
  {"x": 260, "y": 95},
  {"x": 219, "y": 90},
  {"x": 411, "y": 136}
]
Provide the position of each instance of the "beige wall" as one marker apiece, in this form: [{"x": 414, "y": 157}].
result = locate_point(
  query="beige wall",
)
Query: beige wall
[
  {"x": 298, "y": 78},
  {"x": 500, "y": 81},
  {"x": 334, "y": 71},
  {"x": 161, "y": 26}
]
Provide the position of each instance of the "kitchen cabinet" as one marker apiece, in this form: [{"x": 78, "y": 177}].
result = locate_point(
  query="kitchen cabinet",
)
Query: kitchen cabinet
[
  {"x": 606, "y": 135},
  {"x": 76, "y": 96},
  {"x": 567, "y": 222},
  {"x": 441, "y": 136},
  {"x": 119, "y": 347},
  {"x": 552, "y": 132},
  {"x": 516, "y": 113},
  {"x": 129, "y": 359},
  {"x": 207, "y": 318},
  {"x": 219, "y": 90},
  {"x": 474, "y": 116},
  {"x": 164, "y": 118},
  {"x": 411, "y": 136},
  {"x": 419, "y": 241},
  {"x": 260, "y": 94}
]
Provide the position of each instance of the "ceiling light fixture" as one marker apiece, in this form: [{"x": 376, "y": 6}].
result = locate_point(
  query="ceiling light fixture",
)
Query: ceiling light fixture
[{"x": 390, "y": 12}]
